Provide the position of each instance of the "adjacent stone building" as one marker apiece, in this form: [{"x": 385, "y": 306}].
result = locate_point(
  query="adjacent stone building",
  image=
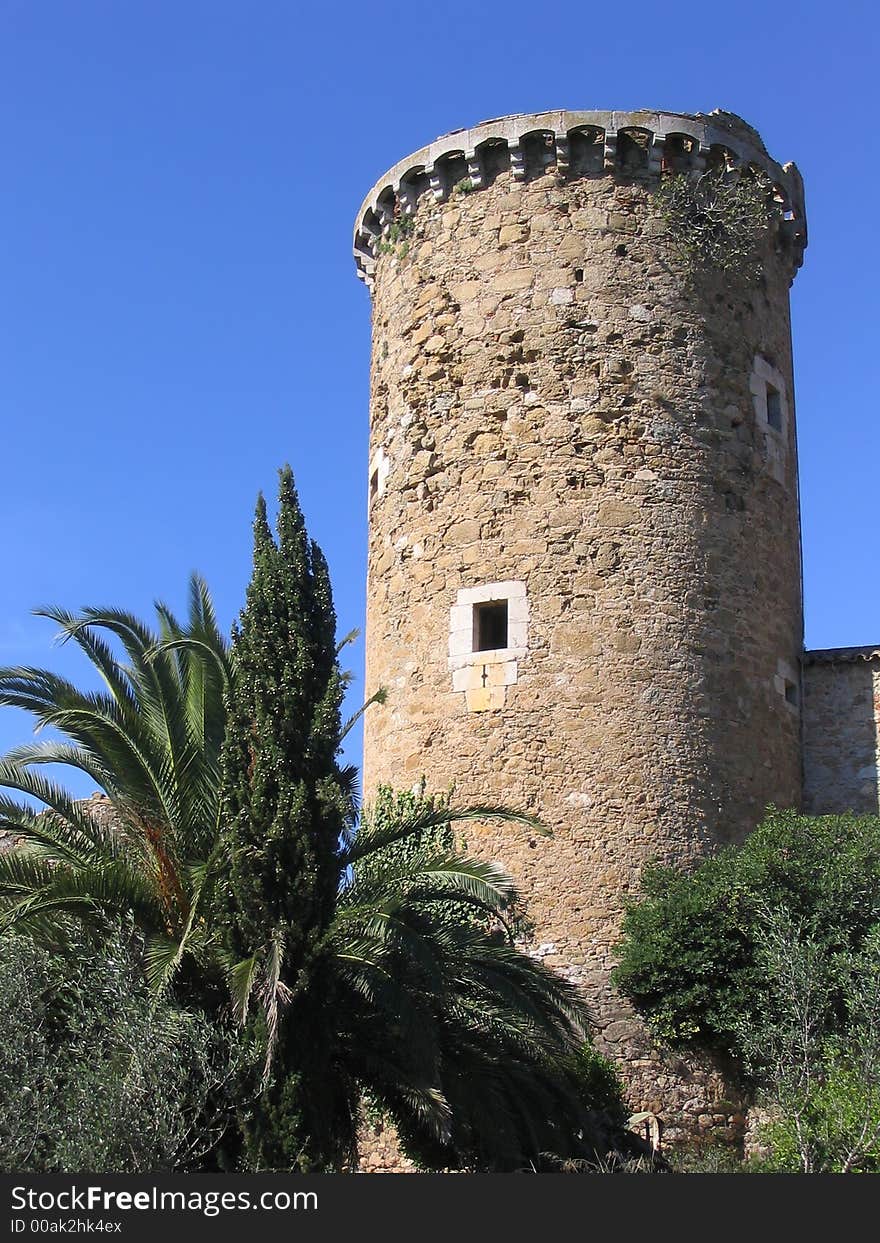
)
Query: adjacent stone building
[
  {"x": 841, "y": 728},
  {"x": 584, "y": 585}
]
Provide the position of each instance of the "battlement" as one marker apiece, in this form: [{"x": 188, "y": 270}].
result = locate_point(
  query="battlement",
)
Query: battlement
[{"x": 572, "y": 145}]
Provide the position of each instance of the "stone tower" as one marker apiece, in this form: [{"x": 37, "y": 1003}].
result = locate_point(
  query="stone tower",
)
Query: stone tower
[{"x": 584, "y": 591}]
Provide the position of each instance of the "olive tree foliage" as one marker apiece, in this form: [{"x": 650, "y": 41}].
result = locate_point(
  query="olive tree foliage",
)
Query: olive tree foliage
[
  {"x": 813, "y": 1044},
  {"x": 95, "y": 1075}
]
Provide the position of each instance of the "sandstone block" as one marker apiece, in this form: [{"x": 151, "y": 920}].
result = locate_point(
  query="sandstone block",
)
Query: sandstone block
[
  {"x": 617, "y": 514},
  {"x": 513, "y": 279}
]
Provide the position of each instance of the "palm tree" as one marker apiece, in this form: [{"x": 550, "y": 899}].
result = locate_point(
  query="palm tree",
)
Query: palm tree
[
  {"x": 460, "y": 1037},
  {"x": 151, "y": 742},
  {"x": 424, "y": 1002},
  {"x": 467, "y": 1043}
]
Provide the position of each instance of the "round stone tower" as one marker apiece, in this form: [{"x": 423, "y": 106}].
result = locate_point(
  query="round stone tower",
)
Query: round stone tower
[{"x": 584, "y": 591}]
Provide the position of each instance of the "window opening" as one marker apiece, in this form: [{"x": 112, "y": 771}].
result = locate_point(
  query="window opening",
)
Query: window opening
[
  {"x": 490, "y": 626},
  {"x": 774, "y": 408}
]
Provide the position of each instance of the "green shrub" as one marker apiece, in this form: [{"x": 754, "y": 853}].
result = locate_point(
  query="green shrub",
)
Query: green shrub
[
  {"x": 838, "y": 1131},
  {"x": 818, "y": 1069},
  {"x": 690, "y": 954},
  {"x": 599, "y": 1085},
  {"x": 95, "y": 1075}
]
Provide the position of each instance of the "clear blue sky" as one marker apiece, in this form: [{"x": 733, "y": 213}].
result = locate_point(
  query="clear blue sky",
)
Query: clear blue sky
[{"x": 179, "y": 313}]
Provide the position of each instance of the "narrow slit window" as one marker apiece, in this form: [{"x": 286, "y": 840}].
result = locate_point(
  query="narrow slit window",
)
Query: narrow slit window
[
  {"x": 490, "y": 626},
  {"x": 374, "y": 485},
  {"x": 791, "y": 693},
  {"x": 774, "y": 408}
]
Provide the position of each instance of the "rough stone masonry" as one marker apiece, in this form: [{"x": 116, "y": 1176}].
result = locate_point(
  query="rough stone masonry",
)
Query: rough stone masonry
[{"x": 584, "y": 583}]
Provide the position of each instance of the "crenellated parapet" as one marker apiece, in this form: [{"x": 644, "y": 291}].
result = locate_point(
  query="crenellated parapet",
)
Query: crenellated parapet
[{"x": 570, "y": 145}]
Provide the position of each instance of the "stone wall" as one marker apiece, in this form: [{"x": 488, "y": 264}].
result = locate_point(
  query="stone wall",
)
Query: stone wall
[
  {"x": 379, "y": 1150},
  {"x": 559, "y": 414},
  {"x": 842, "y": 730}
]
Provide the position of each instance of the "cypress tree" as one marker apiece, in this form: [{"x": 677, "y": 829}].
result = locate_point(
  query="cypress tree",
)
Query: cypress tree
[{"x": 284, "y": 811}]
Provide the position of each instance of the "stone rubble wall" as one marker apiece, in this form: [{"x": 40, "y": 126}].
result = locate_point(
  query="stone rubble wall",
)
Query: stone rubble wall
[{"x": 380, "y": 1152}]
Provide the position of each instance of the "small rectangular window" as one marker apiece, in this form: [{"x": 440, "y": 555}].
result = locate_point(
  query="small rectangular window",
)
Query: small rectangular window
[
  {"x": 490, "y": 626},
  {"x": 374, "y": 484},
  {"x": 774, "y": 408},
  {"x": 791, "y": 693}
]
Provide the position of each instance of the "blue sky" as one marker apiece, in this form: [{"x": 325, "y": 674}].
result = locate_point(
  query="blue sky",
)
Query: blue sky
[{"x": 179, "y": 313}]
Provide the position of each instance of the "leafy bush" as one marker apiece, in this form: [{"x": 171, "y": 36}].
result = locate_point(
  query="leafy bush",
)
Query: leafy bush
[
  {"x": 690, "y": 957},
  {"x": 598, "y": 1083},
  {"x": 95, "y": 1075},
  {"x": 836, "y": 1132}
]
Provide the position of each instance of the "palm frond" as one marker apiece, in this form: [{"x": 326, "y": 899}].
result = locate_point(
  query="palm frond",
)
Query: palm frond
[
  {"x": 71, "y": 754},
  {"x": 351, "y": 637},
  {"x": 240, "y": 979},
  {"x": 442, "y": 873},
  {"x": 188, "y": 643},
  {"x": 378, "y": 697},
  {"x": 274, "y": 995},
  {"x": 152, "y": 743},
  {"x": 349, "y": 783},
  {"x": 161, "y": 958},
  {"x": 99, "y": 653},
  {"x": 370, "y": 839},
  {"x": 31, "y": 885},
  {"x": 75, "y": 813},
  {"x": 46, "y": 835}
]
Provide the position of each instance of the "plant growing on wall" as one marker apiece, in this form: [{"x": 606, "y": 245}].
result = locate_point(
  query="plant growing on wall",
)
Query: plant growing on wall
[
  {"x": 717, "y": 220},
  {"x": 397, "y": 240}
]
